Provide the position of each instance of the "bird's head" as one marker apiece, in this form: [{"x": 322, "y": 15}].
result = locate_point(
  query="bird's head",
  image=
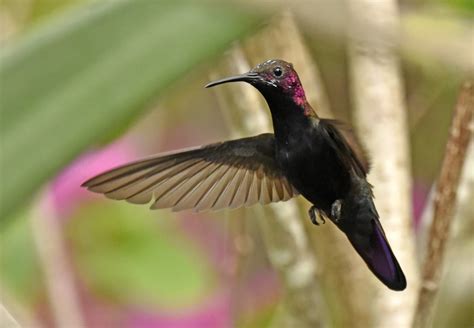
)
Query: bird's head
[{"x": 274, "y": 78}]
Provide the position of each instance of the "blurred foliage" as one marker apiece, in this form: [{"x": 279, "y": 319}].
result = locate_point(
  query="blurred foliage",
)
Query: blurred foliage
[
  {"x": 80, "y": 79},
  {"x": 120, "y": 251},
  {"x": 19, "y": 268},
  {"x": 42, "y": 9},
  {"x": 429, "y": 105},
  {"x": 126, "y": 254},
  {"x": 80, "y": 72},
  {"x": 262, "y": 319},
  {"x": 466, "y": 6}
]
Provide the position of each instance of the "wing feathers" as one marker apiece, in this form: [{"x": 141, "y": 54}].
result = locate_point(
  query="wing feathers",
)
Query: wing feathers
[
  {"x": 189, "y": 189},
  {"x": 148, "y": 182},
  {"x": 186, "y": 181},
  {"x": 230, "y": 174},
  {"x": 209, "y": 198},
  {"x": 347, "y": 146},
  {"x": 239, "y": 181},
  {"x": 278, "y": 189},
  {"x": 226, "y": 191},
  {"x": 265, "y": 197},
  {"x": 242, "y": 192}
]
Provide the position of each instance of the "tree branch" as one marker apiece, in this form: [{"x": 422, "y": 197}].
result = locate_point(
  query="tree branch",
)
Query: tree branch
[{"x": 444, "y": 203}]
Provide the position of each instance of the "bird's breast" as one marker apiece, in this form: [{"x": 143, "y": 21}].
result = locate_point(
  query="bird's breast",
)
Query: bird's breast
[{"x": 314, "y": 169}]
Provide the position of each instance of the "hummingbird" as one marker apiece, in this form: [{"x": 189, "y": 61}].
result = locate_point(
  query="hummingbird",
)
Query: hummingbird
[{"x": 319, "y": 159}]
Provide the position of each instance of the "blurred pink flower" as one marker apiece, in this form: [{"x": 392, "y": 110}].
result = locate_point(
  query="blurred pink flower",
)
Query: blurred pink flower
[
  {"x": 66, "y": 194},
  {"x": 259, "y": 292},
  {"x": 420, "y": 195},
  {"x": 66, "y": 188},
  {"x": 212, "y": 239},
  {"x": 215, "y": 314}
]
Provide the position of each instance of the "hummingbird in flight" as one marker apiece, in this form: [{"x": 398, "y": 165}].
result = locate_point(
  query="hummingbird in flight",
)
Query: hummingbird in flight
[{"x": 306, "y": 155}]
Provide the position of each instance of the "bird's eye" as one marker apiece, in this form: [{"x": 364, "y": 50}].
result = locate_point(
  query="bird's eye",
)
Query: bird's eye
[{"x": 277, "y": 71}]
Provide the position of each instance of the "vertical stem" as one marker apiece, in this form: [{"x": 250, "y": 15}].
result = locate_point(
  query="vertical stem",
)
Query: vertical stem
[
  {"x": 380, "y": 118},
  {"x": 50, "y": 245},
  {"x": 444, "y": 203},
  {"x": 6, "y": 319}
]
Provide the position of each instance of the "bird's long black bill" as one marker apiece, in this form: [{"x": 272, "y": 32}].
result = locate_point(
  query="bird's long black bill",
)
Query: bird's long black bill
[{"x": 247, "y": 77}]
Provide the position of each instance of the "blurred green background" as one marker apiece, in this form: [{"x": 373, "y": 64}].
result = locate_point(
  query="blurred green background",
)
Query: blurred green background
[{"x": 86, "y": 85}]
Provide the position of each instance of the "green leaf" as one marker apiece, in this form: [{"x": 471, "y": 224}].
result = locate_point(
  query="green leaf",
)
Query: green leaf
[
  {"x": 20, "y": 272},
  {"x": 126, "y": 256},
  {"x": 75, "y": 80}
]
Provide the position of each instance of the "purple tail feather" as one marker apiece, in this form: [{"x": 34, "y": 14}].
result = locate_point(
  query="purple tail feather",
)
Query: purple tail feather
[
  {"x": 378, "y": 256},
  {"x": 360, "y": 223}
]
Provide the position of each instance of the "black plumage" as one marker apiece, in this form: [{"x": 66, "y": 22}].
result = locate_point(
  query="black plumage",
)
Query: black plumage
[{"x": 320, "y": 159}]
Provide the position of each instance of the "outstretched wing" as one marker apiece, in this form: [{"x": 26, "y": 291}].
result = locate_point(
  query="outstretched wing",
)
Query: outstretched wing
[
  {"x": 231, "y": 174},
  {"x": 347, "y": 146}
]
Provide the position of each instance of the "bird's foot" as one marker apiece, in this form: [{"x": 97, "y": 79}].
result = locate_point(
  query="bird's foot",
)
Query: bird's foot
[
  {"x": 336, "y": 210},
  {"x": 314, "y": 214}
]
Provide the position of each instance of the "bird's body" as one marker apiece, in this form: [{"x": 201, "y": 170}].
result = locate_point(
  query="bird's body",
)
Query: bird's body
[
  {"x": 304, "y": 157},
  {"x": 317, "y": 158}
]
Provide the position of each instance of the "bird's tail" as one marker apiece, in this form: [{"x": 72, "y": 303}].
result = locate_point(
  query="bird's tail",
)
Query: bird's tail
[{"x": 360, "y": 222}]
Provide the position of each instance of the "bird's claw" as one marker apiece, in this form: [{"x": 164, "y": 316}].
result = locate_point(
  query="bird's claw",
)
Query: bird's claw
[
  {"x": 313, "y": 214},
  {"x": 336, "y": 210}
]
